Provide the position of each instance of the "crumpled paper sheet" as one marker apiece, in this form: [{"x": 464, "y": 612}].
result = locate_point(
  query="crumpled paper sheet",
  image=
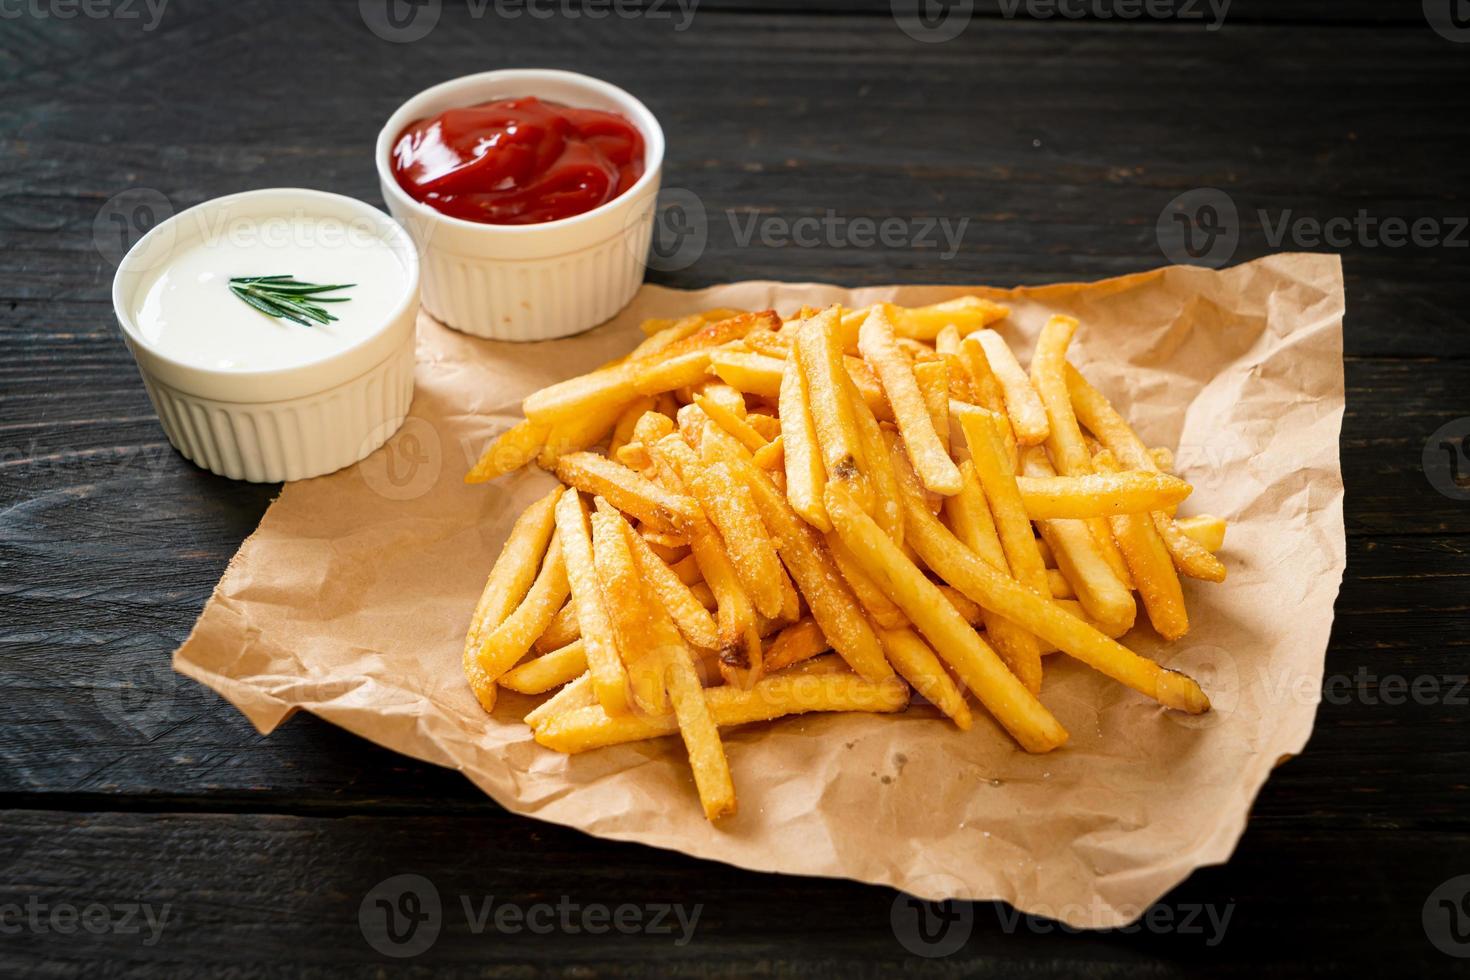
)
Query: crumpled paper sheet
[{"x": 351, "y": 599}]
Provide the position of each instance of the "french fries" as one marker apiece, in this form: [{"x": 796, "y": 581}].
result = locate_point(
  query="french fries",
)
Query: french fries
[{"x": 782, "y": 525}]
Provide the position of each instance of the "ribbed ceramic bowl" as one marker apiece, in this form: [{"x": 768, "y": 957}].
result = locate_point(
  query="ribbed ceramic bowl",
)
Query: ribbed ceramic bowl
[
  {"x": 528, "y": 282},
  {"x": 287, "y": 423}
]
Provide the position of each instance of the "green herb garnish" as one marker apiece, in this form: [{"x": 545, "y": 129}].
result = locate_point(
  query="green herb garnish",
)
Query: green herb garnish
[{"x": 286, "y": 298}]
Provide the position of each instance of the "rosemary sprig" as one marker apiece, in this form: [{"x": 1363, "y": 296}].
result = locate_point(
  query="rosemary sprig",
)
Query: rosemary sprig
[{"x": 286, "y": 298}]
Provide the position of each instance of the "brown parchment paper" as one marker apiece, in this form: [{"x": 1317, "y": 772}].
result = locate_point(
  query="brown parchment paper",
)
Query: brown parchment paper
[{"x": 351, "y": 599}]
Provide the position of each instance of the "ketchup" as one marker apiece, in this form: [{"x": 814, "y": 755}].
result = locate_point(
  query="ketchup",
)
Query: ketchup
[{"x": 518, "y": 161}]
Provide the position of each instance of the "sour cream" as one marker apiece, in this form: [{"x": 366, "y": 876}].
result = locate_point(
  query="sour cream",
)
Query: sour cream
[{"x": 186, "y": 312}]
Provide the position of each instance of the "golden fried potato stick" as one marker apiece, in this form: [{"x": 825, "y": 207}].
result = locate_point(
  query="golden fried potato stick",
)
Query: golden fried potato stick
[
  {"x": 512, "y": 449},
  {"x": 512, "y": 639},
  {"x": 827, "y": 594},
  {"x": 1074, "y": 548},
  {"x": 1114, "y": 432},
  {"x": 933, "y": 379},
  {"x": 689, "y": 615},
  {"x": 623, "y": 430},
  {"x": 947, "y": 341},
  {"x": 1023, "y": 404},
  {"x": 880, "y": 609},
  {"x": 576, "y": 434},
  {"x": 553, "y": 669},
  {"x": 730, "y": 507},
  {"x": 926, "y": 450},
  {"x": 806, "y": 476},
  {"x": 968, "y": 313},
  {"x": 886, "y": 511},
  {"x": 1205, "y": 530},
  {"x": 594, "y": 623},
  {"x": 1153, "y": 569},
  {"x": 1018, "y": 648},
  {"x": 987, "y": 391},
  {"x": 977, "y": 665},
  {"x": 1100, "y": 494},
  {"x": 628, "y": 491},
  {"x": 800, "y": 641},
  {"x": 754, "y": 374},
  {"x": 1058, "y": 585},
  {"x": 1064, "y": 442},
  {"x": 577, "y": 694},
  {"x": 962, "y": 569},
  {"x": 917, "y": 663},
  {"x": 591, "y": 728},
  {"x": 732, "y": 423},
  {"x": 629, "y": 608},
  {"x": 510, "y": 579},
  {"x": 772, "y": 455},
  {"x": 768, "y": 426},
  {"x": 822, "y": 366},
  {"x": 564, "y": 627}
]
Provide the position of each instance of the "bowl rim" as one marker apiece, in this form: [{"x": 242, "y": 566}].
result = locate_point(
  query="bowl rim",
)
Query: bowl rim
[
  {"x": 637, "y": 113},
  {"x": 129, "y": 280}
]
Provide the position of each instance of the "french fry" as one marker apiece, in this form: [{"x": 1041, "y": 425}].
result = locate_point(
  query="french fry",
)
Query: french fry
[
  {"x": 916, "y": 663},
  {"x": 564, "y": 626},
  {"x": 968, "y": 313},
  {"x": 553, "y": 669},
  {"x": 926, "y": 450},
  {"x": 510, "y": 579},
  {"x": 1100, "y": 494},
  {"x": 576, "y": 434},
  {"x": 512, "y": 449},
  {"x": 933, "y": 380},
  {"x": 609, "y": 678},
  {"x": 701, "y": 738},
  {"x": 732, "y": 423},
  {"x": 689, "y": 615},
  {"x": 628, "y": 491},
  {"x": 1064, "y": 442},
  {"x": 1016, "y": 647},
  {"x": 772, "y": 455},
  {"x": 1023, "y": 404},
  {"x": 754, "y": 374},
  {"x": 1149, "y": 561},
  {"x": 880, "y": 609},
  {"x": 827, "y": 595},
  {"x": 768, "y": 426},
  {"x": 944, "y": 553},
  {"x": 822, "y": 366},
  {"x": 800, "y": 641},
  {"x": 1103, "y": 421},
  {"x": 629, "y": 609},
  {"x": 977, "y": 665},
  {"x": 806, "y": 476},
  {"x": 947, "y": 341},
  {"x": 589, "y": 728},
  {"x": 577, "y": 694},
  {"x": 1076, "y": 553},
  {"x": 511, "y": 640},
  {"x": 1205, "y": 530},
  {"x": 987, "y": 391},
  {"x": 740, "y": 654},
  {"x": 1058, "y": 585},
  {"x": 627, "y": 422},
  {"x": 886, "y": 511}
]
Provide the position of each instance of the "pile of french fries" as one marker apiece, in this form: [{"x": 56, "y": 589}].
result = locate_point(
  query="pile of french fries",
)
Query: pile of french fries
[{"x": 823, "y": 513}]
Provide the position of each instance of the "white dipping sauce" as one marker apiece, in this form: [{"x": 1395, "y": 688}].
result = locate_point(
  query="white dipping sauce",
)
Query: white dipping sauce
[{"x": 186, "y": 311}]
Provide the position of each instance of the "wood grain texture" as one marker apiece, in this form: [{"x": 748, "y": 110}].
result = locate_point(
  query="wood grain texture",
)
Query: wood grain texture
[{"x": 1060, "y": 141}]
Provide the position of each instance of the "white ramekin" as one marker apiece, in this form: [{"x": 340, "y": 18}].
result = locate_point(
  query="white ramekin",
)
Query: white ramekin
[
  {"x": 529, "y": 282},
  {"x": 281, "y": 424}
]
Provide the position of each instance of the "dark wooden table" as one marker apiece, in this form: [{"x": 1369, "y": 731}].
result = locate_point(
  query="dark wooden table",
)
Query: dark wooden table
[{"x": 1062, "y": 141}]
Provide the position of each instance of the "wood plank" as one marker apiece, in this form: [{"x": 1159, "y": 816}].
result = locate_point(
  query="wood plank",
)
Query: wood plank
[{"x": 249, "y": 895}]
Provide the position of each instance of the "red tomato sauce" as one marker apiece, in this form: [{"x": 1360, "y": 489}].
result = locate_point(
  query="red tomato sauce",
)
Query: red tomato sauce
[{"x": 518, "y": 161}]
